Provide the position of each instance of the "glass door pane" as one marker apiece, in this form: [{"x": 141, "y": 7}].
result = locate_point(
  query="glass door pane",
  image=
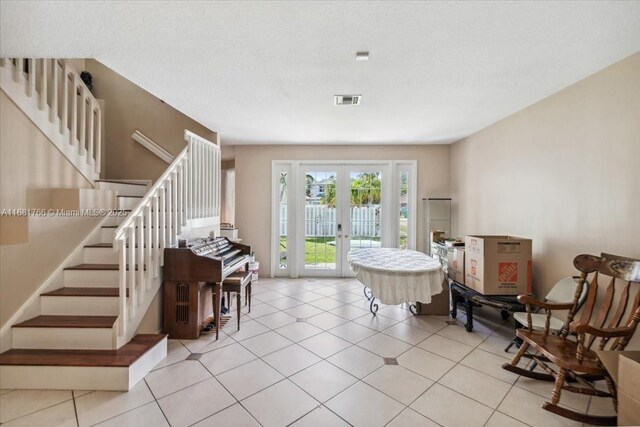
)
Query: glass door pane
[{"x": 365, "y": 209}]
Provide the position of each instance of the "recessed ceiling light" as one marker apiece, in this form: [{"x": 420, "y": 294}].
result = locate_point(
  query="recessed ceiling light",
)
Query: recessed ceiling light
[{"x": 362, "y": 56}]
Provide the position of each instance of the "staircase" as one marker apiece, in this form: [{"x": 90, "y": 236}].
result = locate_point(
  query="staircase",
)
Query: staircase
[{"x": 72, "y": 344}]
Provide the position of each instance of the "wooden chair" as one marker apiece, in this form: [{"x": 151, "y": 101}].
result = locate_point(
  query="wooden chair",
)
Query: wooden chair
[{"x": 576, "y": 362}]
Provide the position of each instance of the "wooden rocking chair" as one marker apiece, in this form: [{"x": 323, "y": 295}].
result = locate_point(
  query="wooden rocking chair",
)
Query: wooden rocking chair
[{"x": 577, "y": 364}]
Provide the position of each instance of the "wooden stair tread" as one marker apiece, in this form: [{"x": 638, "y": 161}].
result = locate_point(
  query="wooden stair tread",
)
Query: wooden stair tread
[
  {"x": 105, "y": 245},
  {"x": 123, "y": 357},
  {"x": 132, "y": 197},
  {"x": 89, "y": 267},
  {"x": 120, "y": 182},
  {"x": 84, "y": 292},
  {"x": 49, "y": 321}
]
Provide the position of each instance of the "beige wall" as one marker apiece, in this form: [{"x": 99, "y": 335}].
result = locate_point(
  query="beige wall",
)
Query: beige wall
[
  {"x": 30, "y": 166},
  {"x": 132, "y": 108},
  {"x": 253, "y": 182},
  {"x": 564, "y": 172}
]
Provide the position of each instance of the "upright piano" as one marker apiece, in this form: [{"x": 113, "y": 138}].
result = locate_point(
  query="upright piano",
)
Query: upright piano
[{"x": 191, "y": 274}]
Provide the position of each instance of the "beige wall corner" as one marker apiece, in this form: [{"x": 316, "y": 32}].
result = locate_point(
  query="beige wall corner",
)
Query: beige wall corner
[
  {"x": 132, "y": 108},
  {"x": 14, "y": 230},
  {"x": 563, "y": 172},
  {"x": 253, "y": 182}
]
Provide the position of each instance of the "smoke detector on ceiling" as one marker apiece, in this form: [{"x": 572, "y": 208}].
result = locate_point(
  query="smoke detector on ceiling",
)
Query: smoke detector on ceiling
[{"x": 347, "y": 99}]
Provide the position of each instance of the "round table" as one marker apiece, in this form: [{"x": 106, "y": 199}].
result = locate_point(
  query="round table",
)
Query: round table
[{"x": 395, "y": 276}]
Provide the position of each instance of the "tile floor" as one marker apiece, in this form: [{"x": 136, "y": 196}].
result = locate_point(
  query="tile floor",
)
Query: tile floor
[{"x": 311, "y": 354}]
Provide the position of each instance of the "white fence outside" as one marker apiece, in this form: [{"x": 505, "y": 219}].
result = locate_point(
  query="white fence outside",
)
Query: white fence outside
[{"x": 320, "y": 221}]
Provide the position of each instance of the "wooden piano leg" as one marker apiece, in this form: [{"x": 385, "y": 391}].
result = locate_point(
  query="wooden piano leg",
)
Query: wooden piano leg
[
  {"x": 217, "y": 306},
  {"x": 238, "y": 304}
]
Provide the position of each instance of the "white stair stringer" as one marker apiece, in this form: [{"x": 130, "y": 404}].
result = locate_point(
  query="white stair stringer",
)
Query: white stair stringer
[{"x": 15, "y": 90}]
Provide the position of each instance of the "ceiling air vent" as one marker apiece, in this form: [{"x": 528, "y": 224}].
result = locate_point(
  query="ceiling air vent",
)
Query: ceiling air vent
[{"x": 347, "y": 99}]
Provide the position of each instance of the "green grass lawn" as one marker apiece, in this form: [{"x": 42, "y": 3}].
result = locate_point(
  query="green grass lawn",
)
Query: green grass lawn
[{"x": 316, "y": 250}]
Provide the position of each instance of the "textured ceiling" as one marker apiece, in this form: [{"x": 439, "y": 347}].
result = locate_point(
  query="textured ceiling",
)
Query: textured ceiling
[{"x": 266, "y": 72}]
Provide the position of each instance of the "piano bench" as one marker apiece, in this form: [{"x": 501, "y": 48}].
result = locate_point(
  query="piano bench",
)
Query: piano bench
[{"x": 234, "y": 283}]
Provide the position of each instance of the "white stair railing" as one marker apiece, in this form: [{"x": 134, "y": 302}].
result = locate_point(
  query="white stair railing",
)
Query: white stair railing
[
  {"x": 189, "y": 189},
  {"x": 52, "y": 93}
]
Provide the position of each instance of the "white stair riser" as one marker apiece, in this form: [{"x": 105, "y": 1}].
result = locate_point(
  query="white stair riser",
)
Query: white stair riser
[
  {"x": 123, "y": 189},
  {"x": 100, "y": 256},
  {"x": 63, "y": 338},
  {"x": 79, "y": 306},
  {"x": 81, "y": 377},
  {"x": 128, "y": 202},
  {"x": 106, "y": 235},
  {"x": 115, "y": 220},
  {"x": 91, "y": 278}
]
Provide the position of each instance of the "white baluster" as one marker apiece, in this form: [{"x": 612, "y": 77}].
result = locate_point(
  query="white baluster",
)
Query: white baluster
[
  {"x": 91, "y": 130},
  {"x": 207, "y": 181},
  {"x": 190, "y": 180},
  {"x": 157, "y": 251},
  {"x": 64, "y": 121},
  {"x": 169, "y": 205},
  {"x": 74, "y": 110},
  {"x": 43, "y": 84},
  {"x": 98, "y": 152},
  {"x": 53, "y": 113},
  {"x": 122, "y": 286},
  {"x": 18, "y": 73},
  {"x": 132, "y": 271},
  {"x": 140, "y": 257},
  {"x": 148, "y": 245},
  {"x": 174, "y": 205},
  {"x": 83, "y": 120},
  {"x": 179, "y": 204},
  {"x": 185, "y": 190},
  {"x": 32, "y": 77},
  {"x": 163, "y": 223}
]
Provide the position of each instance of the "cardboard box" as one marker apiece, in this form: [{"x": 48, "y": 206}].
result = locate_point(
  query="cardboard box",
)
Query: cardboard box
[
  {"x": 498, "y": 265},
  {"x": 455, "y": 261},
  {"x": 439, "y": 304},
  {"x": 628, "y": 410},
  {"x": 629, "y": 388}
]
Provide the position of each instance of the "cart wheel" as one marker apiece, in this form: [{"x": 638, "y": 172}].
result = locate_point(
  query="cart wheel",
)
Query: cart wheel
[{"x": 504, "y": 314}]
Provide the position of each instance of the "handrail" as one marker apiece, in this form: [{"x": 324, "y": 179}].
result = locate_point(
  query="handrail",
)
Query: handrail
[
  {"x": 71, "y": 115},
  {"x": 188, "y": 189},
  {"x": 150, "y": 145}
]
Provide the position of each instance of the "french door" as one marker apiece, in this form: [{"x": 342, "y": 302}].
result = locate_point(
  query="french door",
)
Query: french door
[{"x": 340, "y": 207}]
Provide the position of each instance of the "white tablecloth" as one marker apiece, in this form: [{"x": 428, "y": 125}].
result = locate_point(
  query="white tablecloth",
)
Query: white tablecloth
[{"x": 397, "y": 275}]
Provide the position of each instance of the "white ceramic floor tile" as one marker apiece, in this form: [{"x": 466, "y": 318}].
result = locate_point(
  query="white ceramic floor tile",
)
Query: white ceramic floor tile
[
  {"x": 525, "y": 406},
  {"x": 378, "y": 323},
  {"x": 195, "y": 403},
  {"x": 498, "y": 419},
  {"x": 407, "y": 333},
  {"x": 460, "y": 334},
  {"x": 410, "y": 418},
  {"x": 226, "y": 358},
  {"x": 233, "y": 416},
  {"x": 326, "y": 320},
  {"x": 357, "y": 361},
  {"x": 598, "y": 405},
  {"x": 266, "y": 343},
  {"x": 346, "y": 297},
  {"x": 325, "y": 344},
  {"x": 327, "y": 291},
  {"x": 60, "y": 415},
  {"x": 276, "y": 320},
  {"x": 425, "y": 363},
  {"x": 395, "y": 312},
  {"x": 490, "y": 364},
  {"x": 448, "y": 408},
  {"x": 176, "y": 352},
  {"x": 250, "y": 378},
  {"x": 267, "y": 296},
  {"x": 397, "y": 382},
  {"x": 247, "y": 330},
  {"x": 320, "y": 417},
  {"x": 264, "y": 309},
  {"x": 147, "y": 415},
  {"x": 476, "y": 385},
  {"x": 19, "y": 403},
  {"x": 349, "y": 311},
  {"x": 298, "y": 331},
  {"x": 384, "y": 345},
  {"x": 365, "y": 304},
  {"x": 280, "y": 404},
  {"x": 292, "y": 290},
  {"x": 98, "y": 406},
  {"x": 290, "y": 360},
  {"x": 428, "y": 323},
  {"x": 446, "y": 347},
  {"x": 175, "y": 377},
  {"x": 496, "y": 344},
  {"x": 284, "y": 303},
  {"x": 372, "y": 408},
  {"x": 327, "y": 303},
  {"x": 304, "y": 311},
  {"x": 352, "y": 332},
  {"x": 308, "y": 297},
  {"x": 323, "y": 380},
  {"x": 78, "y": 393},
  {"x": 579, "y": 402}
]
